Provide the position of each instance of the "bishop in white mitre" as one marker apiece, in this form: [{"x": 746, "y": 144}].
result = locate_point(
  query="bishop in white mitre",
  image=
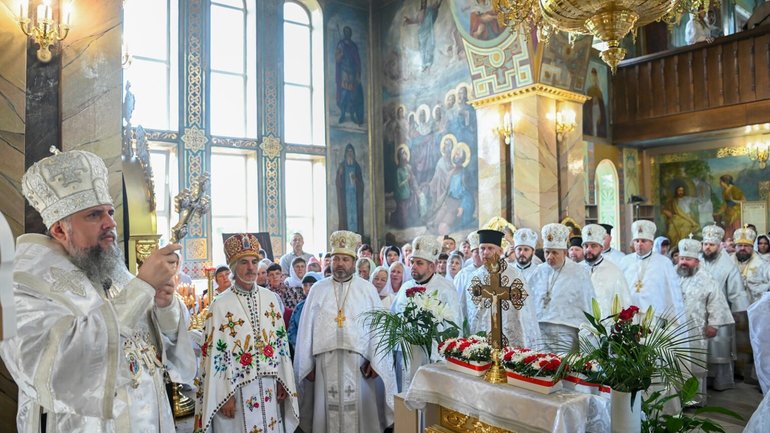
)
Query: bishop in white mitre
[
  {"x": 720, "y": 265},
  {"x": 650, "y": 276},
  {"x": 246, "y": 378},
  {"x": 524, "y": 244},
  {"x": 705, "y": 307},
  {"x": 520, "y": 327},
  {"x": 336, "y": 361},
  {"x": 606, "y": 277},
  {"x": 93, "y": 341},
  {"x": 562, "y": 291}
]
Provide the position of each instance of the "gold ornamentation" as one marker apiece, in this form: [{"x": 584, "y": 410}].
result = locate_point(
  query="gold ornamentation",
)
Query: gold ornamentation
[
  {"x": 145, "y": 247},
  {"x": 731, "y": 151},
  {"x": 196, "y": 248},
  {"x": 190, "y": 202},
  {"x": 241, "y": 245},
  {"x": 271, "y": 147},
  {"x": 234, "y": 142},
  {"x": 535, "y": 89},
  {"x": 457, "y": 422},
  {"x": 194, "y": 139}
]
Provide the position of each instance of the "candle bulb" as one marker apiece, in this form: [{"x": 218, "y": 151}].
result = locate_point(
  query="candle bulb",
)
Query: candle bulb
[
  {"x": 40, "y": 12},
  {"x": 24, "y": 9},
  {"x": 48, "y": 12},
  {"x": 67, "y": 14}
]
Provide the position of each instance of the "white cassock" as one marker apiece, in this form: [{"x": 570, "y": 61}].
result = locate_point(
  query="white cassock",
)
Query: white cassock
[
  {"x": 722, "y": 348},
  {"x": 526, "y": 271},
  {"x": 245, "y": 355},
  {"x": 461, "y": 281},
  {"x": 561, "y": 298},
  {"x": 92, "y": 362},
  {"x": 608, "y": 281},
  {"x": 614, "y": 256},
  {"x": 519, "y": 326},
  {"x": 447, "y": 294},
  {"x": 756, "y": 276},
  {"x": 653, "y": 281},
  {"x": 704, "y": 305},
  {"x": 759, "y": 320},
  {"x": 344, "y": 401}
]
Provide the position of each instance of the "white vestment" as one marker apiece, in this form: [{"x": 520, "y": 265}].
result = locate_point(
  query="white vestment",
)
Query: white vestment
[
  {"x": 759, "y": 320},
  {"x": 93, "y": 362},
  {"x": 705, "y": 305},
  {"x": 652, "y": 280},
  {"x": 519, "y": 326},
  {"x": 461, "y": 281},
  {"x": 245, "y": 355},
  {"x": 725, "y": 271},
  {"x": 447, "y": 294},
  {"x": 755, "y": 273},
  {"x": 344, "y": 401},
  {"x": 526, "y": 271},
  {"x": 608, "y": 280},
  {"x": 614, "y": 256},
  {"x": 561, "y": 298}
]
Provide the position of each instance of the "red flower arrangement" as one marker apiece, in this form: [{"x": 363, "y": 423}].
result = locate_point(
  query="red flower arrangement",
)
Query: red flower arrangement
[{"x": 410, "y": 292}]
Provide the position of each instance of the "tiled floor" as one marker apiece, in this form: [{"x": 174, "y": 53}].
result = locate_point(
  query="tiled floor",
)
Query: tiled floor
[{"x": 743, "y": 399}]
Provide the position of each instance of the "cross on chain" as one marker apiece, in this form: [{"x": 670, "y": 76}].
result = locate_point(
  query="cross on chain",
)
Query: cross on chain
[
  {"x": 188, "y": 203},
  {"x": 500, "y": 294}
]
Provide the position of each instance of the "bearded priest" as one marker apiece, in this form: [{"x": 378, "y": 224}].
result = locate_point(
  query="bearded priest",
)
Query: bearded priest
[
  {"x": 247, "y": 381},
  {"x": 336, "y": 361}
]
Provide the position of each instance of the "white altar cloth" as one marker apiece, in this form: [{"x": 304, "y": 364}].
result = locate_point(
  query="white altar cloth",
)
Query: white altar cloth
[{"x": 507, "y": 406}]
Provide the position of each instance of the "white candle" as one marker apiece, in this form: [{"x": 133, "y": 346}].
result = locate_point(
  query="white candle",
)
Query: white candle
[
  {"x": 24, "y": 9},
  {"x": 48, "y": 12},
  {"x": 40, "y": 12},
  {"x": 67, "y": 14}
]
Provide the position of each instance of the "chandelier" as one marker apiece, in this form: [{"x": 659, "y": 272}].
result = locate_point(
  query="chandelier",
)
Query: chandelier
[{"x": 608, "y": 20}]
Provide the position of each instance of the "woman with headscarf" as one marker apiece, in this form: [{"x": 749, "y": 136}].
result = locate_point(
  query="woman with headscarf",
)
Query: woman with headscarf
[
  {"x": 380, "y": 277},
  {"x": 296, "y": 273},
  {"x": 454, "y": 265},
  {"x": 364, "y": 267},
  {"x": 661, "y": 245},
  {"x": 314, "y": 265},
  {"x": 396, "y": 271},
  {"x": 762, "y": 247},
  {"x": 262, "y": 272}
]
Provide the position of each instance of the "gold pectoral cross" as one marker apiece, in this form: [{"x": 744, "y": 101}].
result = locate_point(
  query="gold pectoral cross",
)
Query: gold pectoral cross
[
  {"x": 638, "y": 285},
  {"x": 340, "y": 319}
]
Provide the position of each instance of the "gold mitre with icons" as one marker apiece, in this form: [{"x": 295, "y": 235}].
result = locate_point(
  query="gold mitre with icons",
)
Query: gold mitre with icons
[
  {"x": 502, "y": 225},
  {"x": 744, "y": 236},
  {"x": 555, "y": 236},
  {"x": 344, "y": 242},
  {"x": 241, "y": 245}
]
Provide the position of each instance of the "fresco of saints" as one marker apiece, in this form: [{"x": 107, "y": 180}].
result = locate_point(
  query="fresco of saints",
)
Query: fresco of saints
[
  {"x": 594, "y": 110},
  {"x": 405, "y": 214},
  {"x": 729, "y": 214},
  {"x": 484, "y": 24},
  {"x": 454, "y": 210},
  {"x": 350, "y": 93},
  {"x": 350, "y": 192},
  {"x": 678, "y": 214},
  {"x": 426, "y": 18}
]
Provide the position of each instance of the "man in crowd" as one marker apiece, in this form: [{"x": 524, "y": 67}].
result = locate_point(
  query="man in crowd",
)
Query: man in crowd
[
  {"x": 705, "y": 307},
  {"x": 297, "y": 242},
  {"x": 245, "y": 362},
  {"x": 365, "y": 251},
  {"x": 718, "y": 263},
  {"x": 610, "y": 253},
  {"x": 441, "y": 264},
  {"x": 520, "y": 327},
  {"x": 448, "y": 244},
  {"x": 562, "y": 292},
  {"x": 336, "y": 359},
  {"x": 524, "y": 243},
  {"x": 650, "y": 276},
  {"x": 463, "y": 278},
  {"x": 90, "y": 335},
  {"x": 755, "y": 274},
  {"x": 608, "y": 280},
  {"x": 575, "y": 251}
]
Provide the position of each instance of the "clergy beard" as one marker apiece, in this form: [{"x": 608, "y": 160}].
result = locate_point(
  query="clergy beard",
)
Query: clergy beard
[
  {"x": 685, "y": 271},
  {"x": 524, "y": 261},
  {"x": 100, "y": 266},
  {"x": 590, "y": 257},
  {"x": 743, "y": 256},
  {"x": 710, "y": 257}
]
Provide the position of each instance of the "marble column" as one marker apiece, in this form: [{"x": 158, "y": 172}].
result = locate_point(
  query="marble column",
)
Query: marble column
[
  {"x": 13, "y": 83},
  {"x": 493, "y": 190},
  {"x": 91, "y": 89},
  {"x": 571, "y": 151}
]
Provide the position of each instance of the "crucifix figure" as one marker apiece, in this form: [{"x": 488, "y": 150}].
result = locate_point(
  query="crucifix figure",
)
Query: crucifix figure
[
  {"x": 340, "y": 319},
  {"x": 188, "y": 203},
  {"x": 498, "y": 294}
]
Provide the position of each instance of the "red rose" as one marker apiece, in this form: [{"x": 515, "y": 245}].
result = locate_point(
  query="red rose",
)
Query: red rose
[
  {"x": 463, "y": 345},
  {"x": 268, "y": 351},
  {"x": 245, "y": 359},
  {"x": 508, "y": 356},
  {"x": 529, "y": 359},
  {"x": 628, "y": 313},
  {"x": 451, "y": 346},
  {"x": 414, "y": 290}
]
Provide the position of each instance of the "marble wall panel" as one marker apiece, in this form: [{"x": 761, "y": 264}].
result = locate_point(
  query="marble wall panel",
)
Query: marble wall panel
[
  {"x": 12, "y": 105},
  {"x": 571, "y": 168},
  {"x": 91, "y": 89},
  {"x": 492, "y": 192}
]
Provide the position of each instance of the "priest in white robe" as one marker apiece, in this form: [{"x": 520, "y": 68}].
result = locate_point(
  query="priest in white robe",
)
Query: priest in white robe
[
  {"x": 520, "y": 327},
  {"x": 705, "y": 307},
  {"x": 463, "y": 278},
  {"x": 755, "y": 274},
  {"x": 608, "y": 280},
  {"x": 562, "y": 291},
  {"x": 93, "y": 341},
  {"x": 336, "y": 361},
  {"x": 718, "y": 263},
  {"x": 247, "y": 380},
  {"x": 650, "y": 276},
  {"x": 609, "y": 253},
  {"x": 524, "y": 244}
]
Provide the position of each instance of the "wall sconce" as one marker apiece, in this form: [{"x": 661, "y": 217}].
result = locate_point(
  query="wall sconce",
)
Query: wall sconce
[
  {"x": 564, "y": 121},
  {"x": 505, "y": 131},
  {"x": 45, "y": 31},
  {"x": 759, "y": 151}
]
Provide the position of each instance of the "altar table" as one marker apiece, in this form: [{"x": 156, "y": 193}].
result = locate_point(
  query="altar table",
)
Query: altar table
[{"x": 466, "y": 401}]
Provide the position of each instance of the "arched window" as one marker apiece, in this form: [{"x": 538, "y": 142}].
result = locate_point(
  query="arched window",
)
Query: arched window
[
  {"x": 305, "y": 171},
  {"x": 608, "y": 198},
  {"x": 150, "y": 37}
]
